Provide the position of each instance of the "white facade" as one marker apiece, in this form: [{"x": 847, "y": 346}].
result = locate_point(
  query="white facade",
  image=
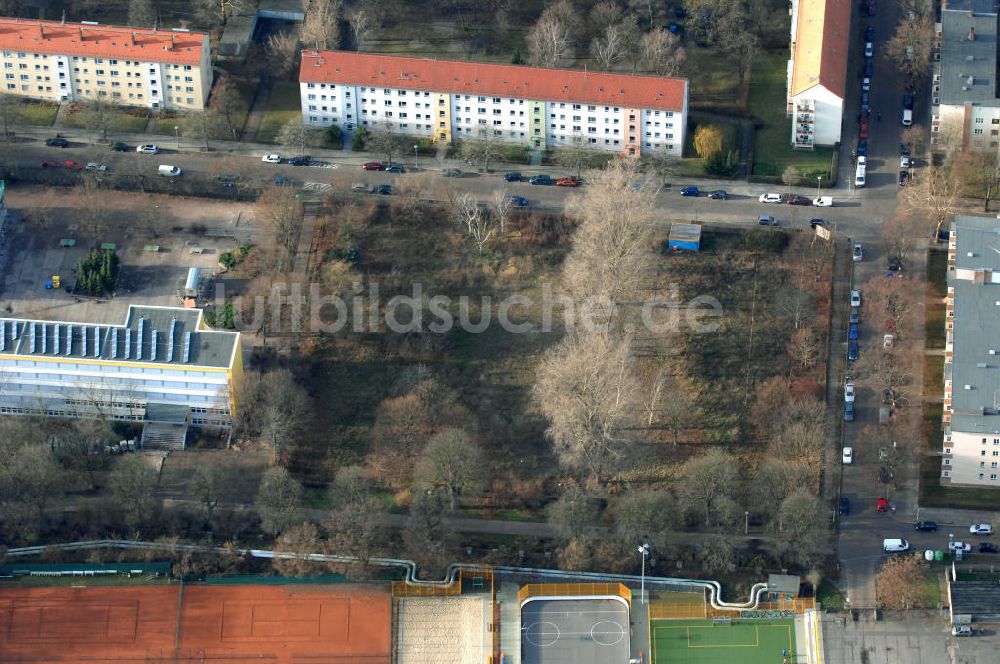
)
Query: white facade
[
  {"x": 540, "y": 124},
  {"x": 817, "y": 115}
]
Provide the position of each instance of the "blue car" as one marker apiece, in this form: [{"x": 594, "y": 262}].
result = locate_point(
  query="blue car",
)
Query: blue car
[
  {"x": 855, "y": 315},
  {"x": 849, "y": 411},
  {"x": 519, "y": 201},
  {"x": 541, "y": 180},
  {"x": 852, "y": 350},
  {"x": 865, "y": 101},
  {"x": 852, "y": 332},
  {"x": 863, "y": 147},
  {"x": 870, "y": 33},
  {"x": 689, "y": 191}
]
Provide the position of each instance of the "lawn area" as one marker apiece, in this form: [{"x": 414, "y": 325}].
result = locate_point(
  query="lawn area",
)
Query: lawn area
[
  {"x": 716, "y": 81},
  {"x": 773, "y": 151},
  {"x": 165, "y": 123},
  {"x": 933, "y": 494},
  {"x": 703, "y": 642},
  {"x": 126, "y": 120},
  {"x": 284, "y": 105},
  {"x": 937, "y": 269},
  {"x": 37, "y": 113}
]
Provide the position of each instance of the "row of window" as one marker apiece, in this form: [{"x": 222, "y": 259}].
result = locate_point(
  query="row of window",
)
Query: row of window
[{"x": 99, "y": 61}]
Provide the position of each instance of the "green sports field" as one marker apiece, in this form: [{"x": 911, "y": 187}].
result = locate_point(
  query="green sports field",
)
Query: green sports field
[{"x": 702, "y": 642}]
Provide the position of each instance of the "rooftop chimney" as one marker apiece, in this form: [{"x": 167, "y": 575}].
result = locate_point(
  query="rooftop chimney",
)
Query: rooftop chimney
[{"x": 972, "y": 34}]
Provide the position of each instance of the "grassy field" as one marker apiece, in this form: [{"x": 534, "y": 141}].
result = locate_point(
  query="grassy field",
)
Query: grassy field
[
  {"x": 702, "y": 642},
  {"x": 766, "y": 103},
  {"x": 284, "y": 105},
  {"x": 937, "y": 270},
  {"x": 37, "y": 113},
  {"x": 715, "y": 84},
  {"x": 82, "y": 581},
  {"x": 125, "y": 120}
]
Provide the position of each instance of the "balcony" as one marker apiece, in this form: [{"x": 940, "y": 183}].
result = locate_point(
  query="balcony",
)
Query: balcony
[{"x": 805, "y": 117}]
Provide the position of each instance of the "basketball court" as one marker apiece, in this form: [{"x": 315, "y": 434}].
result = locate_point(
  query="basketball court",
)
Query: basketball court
[
  {"x": 575, "y": 631},
  {"x": 282, "y": 624}
]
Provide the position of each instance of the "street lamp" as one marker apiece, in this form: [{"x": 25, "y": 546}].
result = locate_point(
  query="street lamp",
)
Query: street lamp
[
  {"x": 177, "y": 135},
  {"x": 819, "y": 178},
  {"x": 644, "y": 550},
  {"x": 415, "y": 156},
  {"x": 746, "y": 523}
]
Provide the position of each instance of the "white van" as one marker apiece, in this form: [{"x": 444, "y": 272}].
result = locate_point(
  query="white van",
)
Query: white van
[
  {"x": 895, "y": 545},
  {"x": 169, "y": 171},
  {"x": 907, "y": 118},
  {"x": 859, "y": 176}
]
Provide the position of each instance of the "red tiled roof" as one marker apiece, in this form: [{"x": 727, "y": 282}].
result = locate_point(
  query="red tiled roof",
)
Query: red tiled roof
[
  {"x": 822, "y": 38},
  {"x": 102, "y": 41},
  {"x": 512, "y": 81}
]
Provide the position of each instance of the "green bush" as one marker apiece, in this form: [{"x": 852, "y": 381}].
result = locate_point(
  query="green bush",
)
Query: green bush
[
  {"x": 97, "y": 273},
  {"x": 722, "y": 163},
  {"x": 333, "y": 134},
  {"x": 230, "y": 259},
  {"x": 223, "y": 317},
  {"x": 358, "y": 139}
]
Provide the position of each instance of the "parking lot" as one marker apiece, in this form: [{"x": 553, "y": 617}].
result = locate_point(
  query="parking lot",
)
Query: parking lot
[{"x": 49, "y": 232}]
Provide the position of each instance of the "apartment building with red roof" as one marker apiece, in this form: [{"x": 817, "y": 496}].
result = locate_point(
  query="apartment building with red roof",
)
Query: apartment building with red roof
[
  {"x": 817, "y": 70},
  {"x": 448, "y": 100},
  {"x": 58, "y": 61}
]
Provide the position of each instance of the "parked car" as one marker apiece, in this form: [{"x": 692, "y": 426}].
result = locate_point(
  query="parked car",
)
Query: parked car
[
  {"x": 451, "y": 173},
  {"x": 858, "y": 255},
  {"x": 869, "y": 67},
  {"x": 58, "y": 142},
  {"x": 895, "y": 545},
  {"x": 852, "y": 351},
  {"x": 541, "y": 180},
  {"x": 870, "y": 7},
  {"x": 771, "y": 198},
  {"x": 849, "y": 412},
  {"x": 72, "y": 165},
  {"x": 51, "y": 163},
  {"x": 301, "y": 160},
  {"x": 882, "y": 505},
  {"x": 862, "y": 160},
  {"x": 852, "y": 332},
  {"x": 849, "y": 392},
  {"x": 121, "y": 147},
  {"x": 95, "y": 167},
  {"x": 567, "y": 182},
  {"x": 865, "y": 100},
  {"x": 690, "y": 191},
  {"x": 855, "y": 298},
  {"x": 382, "y": 189},
  {"x": 394, "y": 168},
  {"x": 904, "y": 177},
  {"x": 718, "y": 195},
  {"x": 271, "y": 159},
  {"x": 813, "y": 223},
  {"x": 870, "y": 33},
  {"x": 869, "y": 49},
  {"x": 904, "y": 148},
  {"x": 961, "y": 630},
  {"x": 959, "y": 546},
  {"x": 866, "y": 84},
  {"x": 863, "y": 130},
  {"x": 855, "y": 315},
  {"x": 845, "y": 506},
  {"x": 795, "y": 199},
  {"x": 371, "y": 166},
  {"x": 862, "y": 148},
  {"x": 513, "y": 176},
  {"x": 823, "y": 201},
  {"x": 925, "y": 526},
  {"x": 986, "y": 547},
  {"x": 359, "y": 186},
  {"x": 848, "y": 456},
  {"x": 908, "y": 101},
  {"x": 519, "y": 201},
  {"x": 904, "y": 161},
  {"x": 887, "y": 397},
  {"x": 895, "y": 264},
  {"x": 981, "y": 529},
  {"x": 767, "y": 220},
  {"x": 281, "y": 181},
  {"x": 148, "y": 148}
]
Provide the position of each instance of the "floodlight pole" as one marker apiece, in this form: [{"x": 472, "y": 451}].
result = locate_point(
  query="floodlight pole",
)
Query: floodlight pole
[{"x": 644, "y": 550}]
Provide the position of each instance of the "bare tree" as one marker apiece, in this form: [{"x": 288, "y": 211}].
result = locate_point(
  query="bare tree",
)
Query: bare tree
[
  {"x": 321, "y": 27},
  {"x": 132, "y": 484},
  {"x": 902, "y": 235},
  {"x": 610, "y": 48},
  {"x": 910, "y": 47},
  {"x": 285, "y": 409},
  {"x": 277, "y": 500},
  {"x": 704, "y": 481},
  {"x": 899, "y": 585},
  {"x": 299, "y": 541},
  {"x": 426, "y": 535},
  {"x": 227, "y": 105},
  {"x": 10, "y": 111},
  {"x": 219, "y": 11},
  {"x": 586, "y": 390},
  {"x": 209, "y": 487},
  {"x": 99, "y": 115},
  {"x": 933, "y": 192},
  {"x": 363, "y": 24},
  {"x": 278, "y": 212},
  {"x": 281, "y": 50},
  {"x": 978, "y": 172},
  {"x": 660, "y": 52},
  {"x": 579, "y": 154},
  {"x": 800, "y": 528},
  {"x": 503, "y": 205},
  {"x": 550, "y": 43},
  {"x": 486, "y": 148},
  {"x": 478, "y": 223},
  {"x": 141, "y": 13},
  {"x": 451, "y": 462},
  {"x": 648, "y": 515},
  {"x": 574, "y": 515},
  {"x": 295, "y": 135}
]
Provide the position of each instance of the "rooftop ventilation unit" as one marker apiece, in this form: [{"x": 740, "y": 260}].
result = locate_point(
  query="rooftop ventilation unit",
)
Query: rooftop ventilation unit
[
  {"x": 55, "y": 339},
  {"x": 114, "y": 343},
  {"x": 31, "y": 338},
  {"x": 170, "y": 340},
  {"x": 152, "y": 346},
  {"x": 187, "y": 346},
  {"x": 138, "y": 339},
  {"x": 3, "y": 336},
  {"x": 69, "y": 339},
  {"x": 128, "y": 343},
  {"x": 97, "y": 342},
  {"x": 45, "y": 334}
]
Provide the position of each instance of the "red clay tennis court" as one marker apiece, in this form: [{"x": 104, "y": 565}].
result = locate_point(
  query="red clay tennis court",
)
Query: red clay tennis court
[{"x": 281, "y": 624}]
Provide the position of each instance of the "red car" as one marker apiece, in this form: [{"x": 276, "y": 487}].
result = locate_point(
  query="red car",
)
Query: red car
[
  {"x": 567, "y": 182},
  {"x": 863, "y": 130},
  {"x": 371, "y": 166},
  {"x": 48, "y": 163},
  {"x": 882, "y": 505},
  {"x": 73, "y": 165},
  {"x": 795, "y": 199}
]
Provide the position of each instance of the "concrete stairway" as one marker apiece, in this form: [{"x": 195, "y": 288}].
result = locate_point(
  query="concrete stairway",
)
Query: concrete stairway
[{"x": 160, "y": 436}]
